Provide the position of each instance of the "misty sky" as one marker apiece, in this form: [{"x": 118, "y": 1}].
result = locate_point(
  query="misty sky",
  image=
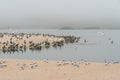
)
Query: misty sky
[{"x": 59, "y": 13}]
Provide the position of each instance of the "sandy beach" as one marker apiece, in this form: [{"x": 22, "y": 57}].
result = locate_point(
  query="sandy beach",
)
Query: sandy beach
[
  {"x": 11, "y": 69},
  {"x": 59, "y": 40}
]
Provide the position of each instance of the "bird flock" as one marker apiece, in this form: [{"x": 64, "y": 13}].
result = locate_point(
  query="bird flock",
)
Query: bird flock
[{"x": 11, "y": 42}]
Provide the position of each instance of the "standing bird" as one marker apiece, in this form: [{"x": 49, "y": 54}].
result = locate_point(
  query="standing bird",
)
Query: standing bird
[
  {"x": 112, "y": 42},
  {"x": 85, "y": 40}
]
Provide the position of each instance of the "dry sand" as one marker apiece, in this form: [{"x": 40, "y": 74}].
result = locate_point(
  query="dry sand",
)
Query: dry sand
[{"x": 54, "y": 70}]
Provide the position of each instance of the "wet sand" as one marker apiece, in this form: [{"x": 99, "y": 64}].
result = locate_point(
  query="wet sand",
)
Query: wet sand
[{"x": 57, "y": 70}]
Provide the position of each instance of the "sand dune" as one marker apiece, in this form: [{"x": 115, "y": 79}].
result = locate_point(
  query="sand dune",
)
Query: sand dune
[{"x": 57, "y": 70}]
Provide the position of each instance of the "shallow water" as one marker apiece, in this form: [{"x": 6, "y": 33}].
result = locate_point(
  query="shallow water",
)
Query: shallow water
[{"x": 97, "y": 49}]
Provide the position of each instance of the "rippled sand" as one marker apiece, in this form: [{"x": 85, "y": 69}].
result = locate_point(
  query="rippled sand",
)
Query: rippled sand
[{"x": 57, "y": 70}]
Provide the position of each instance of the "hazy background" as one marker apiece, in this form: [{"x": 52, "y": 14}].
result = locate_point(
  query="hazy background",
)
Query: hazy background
[{"x": 82, "y": 14}]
